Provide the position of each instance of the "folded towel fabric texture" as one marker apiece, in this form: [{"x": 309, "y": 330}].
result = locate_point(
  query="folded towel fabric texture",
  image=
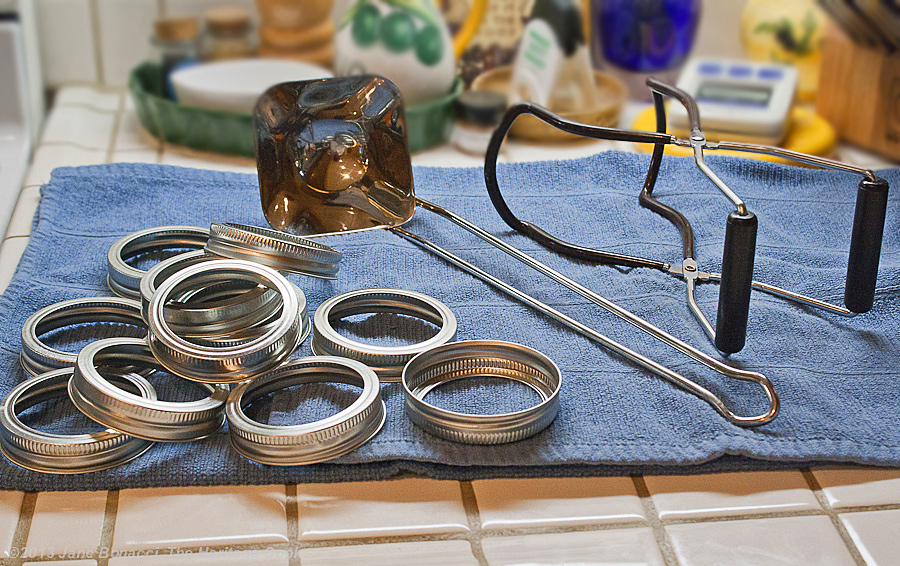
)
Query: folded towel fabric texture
[{"x": 837, "y": 377}]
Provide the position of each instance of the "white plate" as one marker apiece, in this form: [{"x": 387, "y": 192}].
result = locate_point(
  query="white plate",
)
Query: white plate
[{"x": 235, "y": 85}]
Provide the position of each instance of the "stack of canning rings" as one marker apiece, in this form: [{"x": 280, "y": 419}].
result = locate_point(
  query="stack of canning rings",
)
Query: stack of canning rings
[{"x": 222, "y": 313}]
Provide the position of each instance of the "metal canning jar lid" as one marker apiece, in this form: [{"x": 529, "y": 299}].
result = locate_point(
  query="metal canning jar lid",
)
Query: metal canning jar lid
[
  {"x": 152, "y": 419},
  {"x": 314, "y": 442},
  {"x": 37, "y": 357},
  {"x": 481, "y": 358},
  {"x": 226, "y": 361},
  {"x": 65, "y": 453},
  {"x": 386, "y": 361},
  {"x": 125, "y": 280},
  {"x": 280, "y": 250}
]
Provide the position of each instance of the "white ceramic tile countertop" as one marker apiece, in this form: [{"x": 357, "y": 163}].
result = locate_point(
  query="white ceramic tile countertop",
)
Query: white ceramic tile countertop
[{"x": 838, "y": 515}]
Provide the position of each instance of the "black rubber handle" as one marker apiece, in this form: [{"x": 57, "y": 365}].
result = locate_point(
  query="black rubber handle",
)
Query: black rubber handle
[
  {"x": 737, "y": 278},
  {"x": 865, "y": 244}
]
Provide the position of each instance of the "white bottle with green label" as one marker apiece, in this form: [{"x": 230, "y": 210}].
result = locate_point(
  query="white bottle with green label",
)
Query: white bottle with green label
[
  {"x": 552, "y": 66},
  {"x": 537, "y": 65}
]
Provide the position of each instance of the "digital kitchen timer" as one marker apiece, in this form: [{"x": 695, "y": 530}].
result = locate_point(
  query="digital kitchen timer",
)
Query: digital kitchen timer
[{"x": 738, "y": 98}]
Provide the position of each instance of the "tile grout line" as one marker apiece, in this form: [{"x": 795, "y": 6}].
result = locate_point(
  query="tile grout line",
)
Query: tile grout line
[
  {"x": 22, "y": 189},
  {"x": 114, "y": 136},
  {"x": 109, "y": 528},
  {"x": 98, "y": 47},
  {"x": 292, "y": 515},
  {"x": 741, "y": 517},
  {"x": 365, "y": 541},
  {"x": 70, "y": 144},
  {"x": 23, "y": 527},
  {"x": 473, "y": 515},
  {"x": 427, "y": 537},
  {"x": 833, "y": 516},
  {"x": 867, "y": 508},
  {"x": 547, "y": 530},
  {"x": 652, "y": 515},
  {"x": 475, "y": 534},
  {"x": 86, "y": 106}
]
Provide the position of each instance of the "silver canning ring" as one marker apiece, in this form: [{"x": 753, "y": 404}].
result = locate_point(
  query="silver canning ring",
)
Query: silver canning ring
[
  {"x": 226, "y": 308},
  {"x": 125, "y": 280},
  {"x": 222, "y": 310},
  {"x": 280, "y": 250},
  {"x": 387, "y": 361},
  {"x": 64, "y": 453},
  {"x": 38, "y": 358},
  {"x": 481, "y": 358},
  {"x": 152, "y": 419},
  {"x": 261, "y": 327},
  {"x": 162, "y": 270},
  {"x": 314, "y": 442},
  {"x": 234, "y": 360}
]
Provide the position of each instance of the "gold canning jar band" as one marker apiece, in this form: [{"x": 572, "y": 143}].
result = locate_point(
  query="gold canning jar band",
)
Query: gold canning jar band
[
  {"x": 218, "y": 311},
  {"x": 280, "y": 250},
  {"x": 152, "y": 419},
  {"x": 37, "y": 357}
]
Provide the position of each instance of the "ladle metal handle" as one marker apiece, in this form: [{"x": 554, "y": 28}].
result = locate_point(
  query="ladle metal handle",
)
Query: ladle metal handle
[
  {"x": 614, "y": 346},
  {"x": 622, "y": 313}
]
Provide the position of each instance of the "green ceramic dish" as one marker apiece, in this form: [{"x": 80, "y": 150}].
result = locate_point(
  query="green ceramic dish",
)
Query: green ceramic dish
[
  {"x": 199, "y": 128},
  {"x": 431, "y": 123},
  {"x": 231, "y": 133}
]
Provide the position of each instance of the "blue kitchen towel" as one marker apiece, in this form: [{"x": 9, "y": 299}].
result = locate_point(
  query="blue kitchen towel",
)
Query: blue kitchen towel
[{"x": 839, "y": 378}]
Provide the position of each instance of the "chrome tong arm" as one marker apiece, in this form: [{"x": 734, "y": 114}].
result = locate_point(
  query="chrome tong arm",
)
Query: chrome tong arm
[
  {"x": 797, "y": 298},
  {"x": 692, "y": 275},
  {"x": 698, "y": 139},
  {"x": 740, "y": 235},
  {"x": 648, "y": 364},
  {"x": 822, "y": 162},
  {"x": 629, "y": 317}
]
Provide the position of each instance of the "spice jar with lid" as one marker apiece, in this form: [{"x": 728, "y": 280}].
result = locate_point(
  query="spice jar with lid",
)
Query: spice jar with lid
[
  {"x": 229, "y": 34},
  {"x": 175, "y": 45},
  {"x": 478, "y": 112}
]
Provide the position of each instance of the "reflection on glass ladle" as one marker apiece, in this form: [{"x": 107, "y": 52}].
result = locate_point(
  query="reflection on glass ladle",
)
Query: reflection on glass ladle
[{"x": 332, "y": 155}]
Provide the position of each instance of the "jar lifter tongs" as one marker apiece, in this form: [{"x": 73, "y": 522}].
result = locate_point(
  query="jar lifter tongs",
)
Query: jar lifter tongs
[
  {"x": 330, "y": 127},
  {"x": 736, "y": 278}
]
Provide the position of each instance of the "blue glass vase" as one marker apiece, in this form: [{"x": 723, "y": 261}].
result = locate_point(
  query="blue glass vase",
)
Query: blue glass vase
[{"x": 645, "y": 36}]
